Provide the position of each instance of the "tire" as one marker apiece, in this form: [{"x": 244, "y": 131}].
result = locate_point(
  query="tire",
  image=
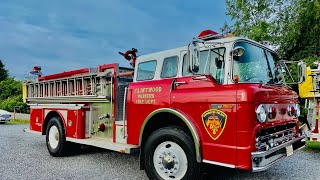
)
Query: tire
[
  {"x": 169, "y": 153},
  {"x": 56, "y": 137}
]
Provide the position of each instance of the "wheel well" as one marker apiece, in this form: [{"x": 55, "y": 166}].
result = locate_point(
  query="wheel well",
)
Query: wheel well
[
  {"x": 162, "y": 120},
  {"x": 158, "y": 121},
  {"x": 50, "y": 115}
]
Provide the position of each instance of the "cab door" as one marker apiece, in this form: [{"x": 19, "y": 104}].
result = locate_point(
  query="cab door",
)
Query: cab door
[{"x": 212, "y": 108}]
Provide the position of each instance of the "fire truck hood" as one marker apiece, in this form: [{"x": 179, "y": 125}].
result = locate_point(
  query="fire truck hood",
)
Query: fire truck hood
[{"x": 268, "y": 94}]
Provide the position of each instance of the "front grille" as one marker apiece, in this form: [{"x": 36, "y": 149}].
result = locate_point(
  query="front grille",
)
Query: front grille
[{"x": 272, "y": 137}]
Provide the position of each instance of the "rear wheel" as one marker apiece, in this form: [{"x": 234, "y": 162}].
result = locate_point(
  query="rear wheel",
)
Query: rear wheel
[
  {"x": 56, "y": 138},
  {"x": 169, "y": 153}
]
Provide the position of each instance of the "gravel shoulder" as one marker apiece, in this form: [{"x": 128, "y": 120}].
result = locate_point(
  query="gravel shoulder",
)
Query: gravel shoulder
[
  {"x": 24, "y": 156},
  {"x": 21, "y": 116}
]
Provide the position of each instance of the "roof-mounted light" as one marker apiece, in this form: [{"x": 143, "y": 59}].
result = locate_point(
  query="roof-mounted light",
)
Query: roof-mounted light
[{"x": 209, "y": 35}]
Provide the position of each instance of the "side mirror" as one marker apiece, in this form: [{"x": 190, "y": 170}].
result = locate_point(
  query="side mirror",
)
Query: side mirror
[
  {"x": 295, "y": 71},
  {"x": 237, "y": 52},
  {"x": 194, "y": 55},
  {"x": 301, "y": 71}
]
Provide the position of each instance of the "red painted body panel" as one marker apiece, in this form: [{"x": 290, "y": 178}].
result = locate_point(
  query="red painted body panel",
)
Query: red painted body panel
[
  {"x": 81, "y": 123},
  {"x": 142, "y": 101},
  {"x": 196, "y": 95},
  {"x": 194, "y": 98},
  {"x": 72, "y": 119},
  {"x": 249, "y": 96},
  {"x": 36, "y": 119}
]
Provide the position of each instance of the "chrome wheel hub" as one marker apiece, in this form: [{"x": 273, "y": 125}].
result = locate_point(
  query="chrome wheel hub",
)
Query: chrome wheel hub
[{"x": 170, "y": 161}]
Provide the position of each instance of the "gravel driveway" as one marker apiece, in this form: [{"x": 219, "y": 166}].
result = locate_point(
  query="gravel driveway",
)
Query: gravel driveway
[{"x": 24, "y": 156}]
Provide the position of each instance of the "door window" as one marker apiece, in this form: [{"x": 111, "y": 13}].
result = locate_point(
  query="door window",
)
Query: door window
[
  {"x": 211, "y": 62},
  {"x": 146, "y": 70},
  {"x": 170, "y": 67}
]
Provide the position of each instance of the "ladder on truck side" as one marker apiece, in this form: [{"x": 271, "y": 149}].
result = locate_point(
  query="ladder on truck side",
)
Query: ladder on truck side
[{"x": 90, "y": 87}]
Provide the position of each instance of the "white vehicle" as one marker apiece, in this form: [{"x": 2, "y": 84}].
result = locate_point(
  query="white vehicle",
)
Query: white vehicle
[{"x": 4, "y": 116}]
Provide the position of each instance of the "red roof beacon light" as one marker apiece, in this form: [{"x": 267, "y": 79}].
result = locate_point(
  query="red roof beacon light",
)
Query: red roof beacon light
[
  {"x": 209, "y": 35},
  {"x": 36, "y": 71}
]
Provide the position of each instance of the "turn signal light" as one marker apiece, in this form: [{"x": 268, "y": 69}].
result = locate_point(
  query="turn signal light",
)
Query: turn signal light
[{"x": 272, "y": 112}]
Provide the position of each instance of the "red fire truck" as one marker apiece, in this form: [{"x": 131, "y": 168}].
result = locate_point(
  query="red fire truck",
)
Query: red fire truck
[{"x": 220, "y": 100}]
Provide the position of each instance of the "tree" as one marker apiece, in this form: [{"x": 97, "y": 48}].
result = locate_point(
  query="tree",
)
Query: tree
[
  {"x": 11, "y": 95},
  {"x": 10, "y": 91},
  {"x": 301, "y": 31},
  {"x": 255, "y": 19},
  {"x": 3, "y": 72},
  {"x": 10, "y": 88},
  {"x": 293, "y": 25}
]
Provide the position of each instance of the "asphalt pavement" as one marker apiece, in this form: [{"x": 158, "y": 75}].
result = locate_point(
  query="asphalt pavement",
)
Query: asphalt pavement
[{"x": 24, "y": 156}]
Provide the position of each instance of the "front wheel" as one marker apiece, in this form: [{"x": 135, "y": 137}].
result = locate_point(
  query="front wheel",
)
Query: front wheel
[{"x": 170, "y": 154}]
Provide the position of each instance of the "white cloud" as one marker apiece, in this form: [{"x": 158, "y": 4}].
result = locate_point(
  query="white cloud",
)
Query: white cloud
[{"x": 65, "y": 35}]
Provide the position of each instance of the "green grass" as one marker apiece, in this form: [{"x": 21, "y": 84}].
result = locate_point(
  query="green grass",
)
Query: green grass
[
  {"x": 312, "y": 146},
  {"x": 18, "y": 121}
]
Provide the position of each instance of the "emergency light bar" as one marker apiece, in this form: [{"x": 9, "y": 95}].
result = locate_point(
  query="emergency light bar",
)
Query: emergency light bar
[{"x": 209, "y": 35}]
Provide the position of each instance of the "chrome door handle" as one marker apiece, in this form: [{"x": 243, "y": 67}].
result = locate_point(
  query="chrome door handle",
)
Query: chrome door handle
[{"x": 179, "y": 83}]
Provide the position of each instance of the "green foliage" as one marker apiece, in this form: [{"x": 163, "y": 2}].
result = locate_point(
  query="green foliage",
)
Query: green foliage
[
  {"x": 10, "y": 92},
  {"x": 11, "y": 102},
  {"x": 10, "y": 87},
  {"x": 256, "y": 19},
  {"x": 301, "y": 28},
  {"x": 3, "y": 72},
  {"x": 18, "y": 121},
  {"x": 292, "y": 25},
  {"x": 313, "y": 145}
]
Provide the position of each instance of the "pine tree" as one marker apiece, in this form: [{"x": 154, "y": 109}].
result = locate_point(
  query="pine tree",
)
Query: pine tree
[{"x": 3, "y": 72}]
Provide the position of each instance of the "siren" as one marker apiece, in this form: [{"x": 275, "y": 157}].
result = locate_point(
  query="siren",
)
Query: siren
[
  {"x": 209, "y": 35},
  {"x": 36, "y": 71}
]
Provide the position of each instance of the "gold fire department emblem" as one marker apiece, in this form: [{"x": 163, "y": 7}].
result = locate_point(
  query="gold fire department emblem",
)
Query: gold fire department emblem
[{"x": 214, "y": 122}]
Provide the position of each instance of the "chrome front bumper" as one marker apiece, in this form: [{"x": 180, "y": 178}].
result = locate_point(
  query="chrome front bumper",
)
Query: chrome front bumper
[{"x": 265, "y": 159}]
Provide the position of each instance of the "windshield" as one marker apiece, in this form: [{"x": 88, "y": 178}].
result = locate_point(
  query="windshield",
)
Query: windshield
[
  {"x": 256, "y": 65},
  {"x": 211, "y": 62}
]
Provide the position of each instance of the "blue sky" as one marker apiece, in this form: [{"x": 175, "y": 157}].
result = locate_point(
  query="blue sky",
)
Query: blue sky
[{"x": 63, "y": 35}]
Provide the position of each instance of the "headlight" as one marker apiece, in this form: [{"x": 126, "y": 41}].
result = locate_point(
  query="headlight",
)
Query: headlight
[
  {"x": 261, "y": 113},
  {"x": 297, "y": 110},
  {"x": 291, "y": 110}
]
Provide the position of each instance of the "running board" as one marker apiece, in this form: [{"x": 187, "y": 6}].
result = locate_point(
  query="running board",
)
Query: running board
[{"x": 106, "y": 144}]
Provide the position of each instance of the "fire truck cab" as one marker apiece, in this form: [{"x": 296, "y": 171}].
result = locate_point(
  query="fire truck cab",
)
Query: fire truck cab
[{"x": 219, "y": 100}]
